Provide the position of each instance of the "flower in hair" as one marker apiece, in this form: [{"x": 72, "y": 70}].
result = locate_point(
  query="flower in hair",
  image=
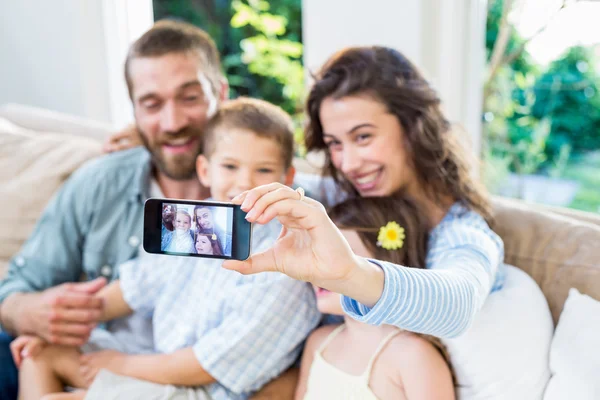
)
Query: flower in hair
[{"x": 391, "y": 236}]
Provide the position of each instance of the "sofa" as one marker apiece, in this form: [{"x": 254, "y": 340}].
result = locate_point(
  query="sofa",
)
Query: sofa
[{"x": 39, "y": 149}]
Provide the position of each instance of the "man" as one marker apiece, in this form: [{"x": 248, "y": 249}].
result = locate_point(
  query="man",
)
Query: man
[{"x": 95, "y": 221}]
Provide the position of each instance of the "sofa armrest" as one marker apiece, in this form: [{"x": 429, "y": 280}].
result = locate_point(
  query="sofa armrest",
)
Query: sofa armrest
[{"x": 42, "y": 120}]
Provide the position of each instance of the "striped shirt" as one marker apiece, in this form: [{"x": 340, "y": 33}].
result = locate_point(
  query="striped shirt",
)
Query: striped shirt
[
  {"x": 244, "y": 330},
  {"x": 464, "y": 265}
]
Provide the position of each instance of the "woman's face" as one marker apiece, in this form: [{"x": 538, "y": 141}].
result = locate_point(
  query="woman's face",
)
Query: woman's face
[
  {"x": 330, "y": 302},
  {"x": 366, "y": 145},
  {"x": 204, "y": 218},
  {"x": 203, "y": 245},
  {"x": 182, "y": 222}
]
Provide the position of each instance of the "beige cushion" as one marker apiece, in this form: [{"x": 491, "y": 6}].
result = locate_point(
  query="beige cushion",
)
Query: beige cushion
[
  {"x": 32, "y": 168},
  {"x": 559, "y": 252}
]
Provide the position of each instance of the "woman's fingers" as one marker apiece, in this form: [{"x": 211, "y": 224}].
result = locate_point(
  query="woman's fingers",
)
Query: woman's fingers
[
  {"x": 253, "y": 195},
  {"x": 259, "y": 262},
  {"x": 270, "y": 198}
]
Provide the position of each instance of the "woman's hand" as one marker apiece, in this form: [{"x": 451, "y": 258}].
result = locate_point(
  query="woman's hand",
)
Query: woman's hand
[
  {"x": 124, "y": 139},
  {"x": 310, "y": 247},
  {"x": 25, "y": 346}
]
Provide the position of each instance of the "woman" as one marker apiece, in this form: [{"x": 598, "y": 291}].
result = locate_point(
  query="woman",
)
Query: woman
[
  {"x": 381, "y": 126},
  {"x": 205, "y": 224}
]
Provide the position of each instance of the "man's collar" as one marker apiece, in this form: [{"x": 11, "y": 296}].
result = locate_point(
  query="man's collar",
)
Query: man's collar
[{"x": 140, "y": 190}]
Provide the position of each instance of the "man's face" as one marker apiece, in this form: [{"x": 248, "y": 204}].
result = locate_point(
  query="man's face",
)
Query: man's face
[
  {"x": 204, "y": 218},
  {"x": 173, "y": 101}
]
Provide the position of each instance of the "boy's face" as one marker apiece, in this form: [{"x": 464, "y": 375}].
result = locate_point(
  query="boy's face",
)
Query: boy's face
[
  {"x": 241, "y": 161},
  {"x": 182, "y": 222}
]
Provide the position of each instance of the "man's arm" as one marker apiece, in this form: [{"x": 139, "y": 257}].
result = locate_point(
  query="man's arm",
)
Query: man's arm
[
  {"x": 65, "y": 314},
  {"x": 51, "y": 256}
]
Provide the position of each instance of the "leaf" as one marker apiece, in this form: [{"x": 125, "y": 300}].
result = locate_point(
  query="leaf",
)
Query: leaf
[
  {"x": 241, "y": 18},
  {"x": 272, "y": 25}
]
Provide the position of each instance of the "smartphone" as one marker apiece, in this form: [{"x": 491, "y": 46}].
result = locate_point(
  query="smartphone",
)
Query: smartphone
[{"x": 196, "y": 228}]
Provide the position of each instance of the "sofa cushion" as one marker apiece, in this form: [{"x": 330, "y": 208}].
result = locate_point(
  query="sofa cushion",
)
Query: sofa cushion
[
  {"x": 559, "y": 252},
  {"x": 32, "y": 168},
  {"x": 574, "y": 355},
  {"x": 504, "y": 354}
]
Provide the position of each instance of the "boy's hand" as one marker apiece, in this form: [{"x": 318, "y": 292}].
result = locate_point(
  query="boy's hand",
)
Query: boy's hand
[
  {"x": 92, "y": 363},
  {"x": 26, "y": 346}
]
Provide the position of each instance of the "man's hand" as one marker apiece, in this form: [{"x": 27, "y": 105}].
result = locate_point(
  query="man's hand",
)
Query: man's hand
[
  {"x": 124, "y": 139},
  {"x": 66, "y": 314},
  {"x": 25, "y": 346},
  {"x": 92, "y": 363}
]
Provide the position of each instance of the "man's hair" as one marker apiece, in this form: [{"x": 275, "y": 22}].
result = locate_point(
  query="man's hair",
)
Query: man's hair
[
  {"x": 167, "y": 37},
  {"x": 262, "y": 118}
]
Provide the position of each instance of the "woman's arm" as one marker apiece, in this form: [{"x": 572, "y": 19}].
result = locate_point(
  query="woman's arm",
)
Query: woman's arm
[
  {"x": 115, "y": 305},
  {"x": 441, "y": 301},
  {"x": 444, "y": 299}
]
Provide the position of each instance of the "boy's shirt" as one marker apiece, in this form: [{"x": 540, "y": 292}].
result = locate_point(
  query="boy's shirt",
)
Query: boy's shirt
[{"x": 244, "y": 330}]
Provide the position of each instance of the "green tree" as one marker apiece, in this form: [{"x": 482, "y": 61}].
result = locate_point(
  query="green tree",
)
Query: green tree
[
  {"x": 567, "y": 94},
  {"x": 259, "y": 43}
]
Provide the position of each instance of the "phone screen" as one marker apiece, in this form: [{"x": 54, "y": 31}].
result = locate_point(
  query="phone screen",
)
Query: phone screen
[{"x": 201, "y": 228}]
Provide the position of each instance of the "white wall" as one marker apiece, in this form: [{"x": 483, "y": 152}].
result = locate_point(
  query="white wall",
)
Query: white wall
[
  {"x": 445, "y": 38},
  {"x": 63, "y": 55}
]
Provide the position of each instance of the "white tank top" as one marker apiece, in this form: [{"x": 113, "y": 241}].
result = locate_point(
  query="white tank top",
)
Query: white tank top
[{"x": 328, "y": 382}]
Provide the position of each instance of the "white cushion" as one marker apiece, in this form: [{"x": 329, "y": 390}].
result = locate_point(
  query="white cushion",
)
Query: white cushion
[
  {"x": 575, "y": 351},
  {"x": 504, "y": 354}
]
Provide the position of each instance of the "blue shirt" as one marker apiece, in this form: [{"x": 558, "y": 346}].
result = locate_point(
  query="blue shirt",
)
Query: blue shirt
[
  {"x": 244, "y": 330},
  {"x": 92, "y": 224},
  {"x": 464, "y": 264}
]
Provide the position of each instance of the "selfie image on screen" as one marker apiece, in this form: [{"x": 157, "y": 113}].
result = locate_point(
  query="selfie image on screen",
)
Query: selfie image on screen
[{"x": 199, "y": 229}]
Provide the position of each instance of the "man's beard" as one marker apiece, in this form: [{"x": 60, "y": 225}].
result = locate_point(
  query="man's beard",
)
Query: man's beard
[{"x": 178, "y": 167}]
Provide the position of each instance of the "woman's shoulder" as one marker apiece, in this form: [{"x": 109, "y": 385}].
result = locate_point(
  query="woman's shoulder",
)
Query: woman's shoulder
[{"x": 463, "y": 226}]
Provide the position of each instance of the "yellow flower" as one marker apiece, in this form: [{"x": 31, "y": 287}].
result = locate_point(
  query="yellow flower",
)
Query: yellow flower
[{"x": 391, "y": 236}]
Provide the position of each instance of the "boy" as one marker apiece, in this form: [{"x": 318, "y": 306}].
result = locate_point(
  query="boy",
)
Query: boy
[{"x": 219, "y": 335}]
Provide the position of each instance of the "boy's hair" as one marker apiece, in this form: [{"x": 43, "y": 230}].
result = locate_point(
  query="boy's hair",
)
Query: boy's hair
[
  {"x": 166, "y": 37},
  {"x": 366, "y": 215},
  {"x": 262, "y": 118},
  {"x": 184, "y": 212}
]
